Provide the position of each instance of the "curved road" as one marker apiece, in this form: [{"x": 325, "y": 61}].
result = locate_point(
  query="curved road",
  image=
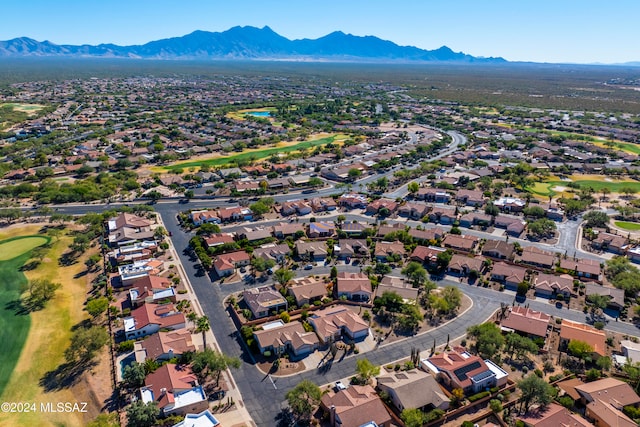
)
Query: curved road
[{"x": 259, "y": 395}]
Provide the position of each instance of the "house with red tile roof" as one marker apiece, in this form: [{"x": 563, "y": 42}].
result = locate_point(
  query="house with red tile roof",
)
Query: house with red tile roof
[
  {"x": 280, "y": 338},
  {"x": 218, "y": 239},
  {"x": 510, "y": 275},
  {"x": 298, "y": 207},
  {"x": 355, "y": 406},
  {"x": 353, "y": 201},
  {"x": 386, "y": 249},
  {"x": 459, "y": 369},
  {"x": 462, "y": 265},
  {"x": 336, "y": 321},
  {"x": 375, "y": 206},
  {"x": 552, "y": 415},
  {"x": 353, "y": 286},
  {"x": 237, "y": 213},
  {"x": 150, "y": 318},
  {"x": 306, "y": 290},
  {"x": 532, "y": 255},
  {"x": 571, "y": 331},
  {"x": 465, "y": 243},
  {"x": 588, "y": 268},
  {"x": 226, "y": 264},
  {"x": 164, "y": 345},
  {"x": 426, "y": 254},
  {"x": 285, "y": 229},
  {"x": 526, "y": 321},
  {"x": 548, "y": 285},
  {"x": 175, "y": 390},
  {"x": 414, "y": 210},
  {"x": 430, "y": 234},
  {"x": 200, "y": 217}
]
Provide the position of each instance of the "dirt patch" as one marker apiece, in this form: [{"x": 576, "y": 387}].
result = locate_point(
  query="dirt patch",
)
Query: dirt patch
[{"x": 284, "y": 368}]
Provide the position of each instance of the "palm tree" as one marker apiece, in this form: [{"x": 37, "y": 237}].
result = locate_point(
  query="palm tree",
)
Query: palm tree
[{"x": 202, "y": 325}]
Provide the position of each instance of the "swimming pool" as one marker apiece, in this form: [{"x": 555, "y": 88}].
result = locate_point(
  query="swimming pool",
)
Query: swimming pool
[{"x": 259, "y": 113}]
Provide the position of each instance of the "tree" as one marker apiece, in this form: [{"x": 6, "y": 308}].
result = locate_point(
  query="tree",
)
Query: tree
[
  {"x": 259, "y": 208},
  {"x": 140, "y": 414},
  {"x": 303, "y": 399},
  {"x": 413, "y": 187},
  {"x": 443, "y": 259},
  {"x": 604, "y": 363},
  {"x": 208, "y": 363},
  {"x": 598, "y": 219},
  {"x": 283, "y": 275},
  {"x": 534, "y": 390},
  {"x": 261, "y": 264},
  {"x": 416, "y": 273},
  {"x": 579, "y": 349},
  {"x": 85, "y": 343},
  {"x": 366, "y": 370},
  {"x": 453, "y": 297},
  {"x": 413, "y": 417},
  {"x": 334, "y": 273},
  {"x": 97, "y": 306},
  {"x": 202, "y": 325},
  {"x": 519, "y": 346},
  {"x": 354, "y": 174},
  {"x": 457, "y": 396},
  {"x": 208, "y": 228},
  {"x": 134, "y": 375},
  {"x": 80, "y": 243},
  {"x": 390, "y": 300},
  {"x": 315, "y": 182},
  {"x": 488, "y": 337},
  {"x": 92, "y": 261},
  {"x": 41, "y": 291},
  {"x": 410, "y": 318},
  {"x": 534, "y": 211},
  {"x": 542, "y": 227},
  {"x": 495, "y": 405},
  {"x": 491, "y": 209}
]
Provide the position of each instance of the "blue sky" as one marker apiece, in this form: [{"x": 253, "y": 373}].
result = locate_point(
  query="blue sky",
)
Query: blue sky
[{"x": 581, "y": 31}]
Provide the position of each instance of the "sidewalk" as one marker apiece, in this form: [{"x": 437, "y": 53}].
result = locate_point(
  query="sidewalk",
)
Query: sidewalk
[{"x": 238, "y": 415}]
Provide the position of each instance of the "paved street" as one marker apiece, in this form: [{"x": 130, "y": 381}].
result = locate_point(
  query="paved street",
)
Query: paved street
[{"x": 263, "y": 400}]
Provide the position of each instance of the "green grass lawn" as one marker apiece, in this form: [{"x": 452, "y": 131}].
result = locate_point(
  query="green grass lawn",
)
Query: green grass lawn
[
  {"x": 14, "y": 328},
  {"x": 11, "y": 248},
  {"x": 626, "y": 225},
  {"x": 252, "y": 155},
  {"x": 545, "y": 188}
]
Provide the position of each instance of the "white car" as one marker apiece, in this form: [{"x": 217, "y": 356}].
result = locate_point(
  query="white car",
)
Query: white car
[{"x": 339, "y": 386}]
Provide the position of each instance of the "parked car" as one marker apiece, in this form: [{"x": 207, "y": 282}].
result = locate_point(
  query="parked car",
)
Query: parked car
[
  {"x": 339, "y": 386},
  {"x": 308, "y": 267},
  {"x": 243, "y": 270}
]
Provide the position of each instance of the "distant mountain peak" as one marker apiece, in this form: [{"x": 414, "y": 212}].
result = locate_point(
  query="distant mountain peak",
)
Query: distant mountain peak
[{"x": 247, "y": 42}]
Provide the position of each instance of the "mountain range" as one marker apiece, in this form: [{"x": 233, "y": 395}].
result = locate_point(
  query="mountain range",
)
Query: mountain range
[{"x": 247, "y": 43}]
